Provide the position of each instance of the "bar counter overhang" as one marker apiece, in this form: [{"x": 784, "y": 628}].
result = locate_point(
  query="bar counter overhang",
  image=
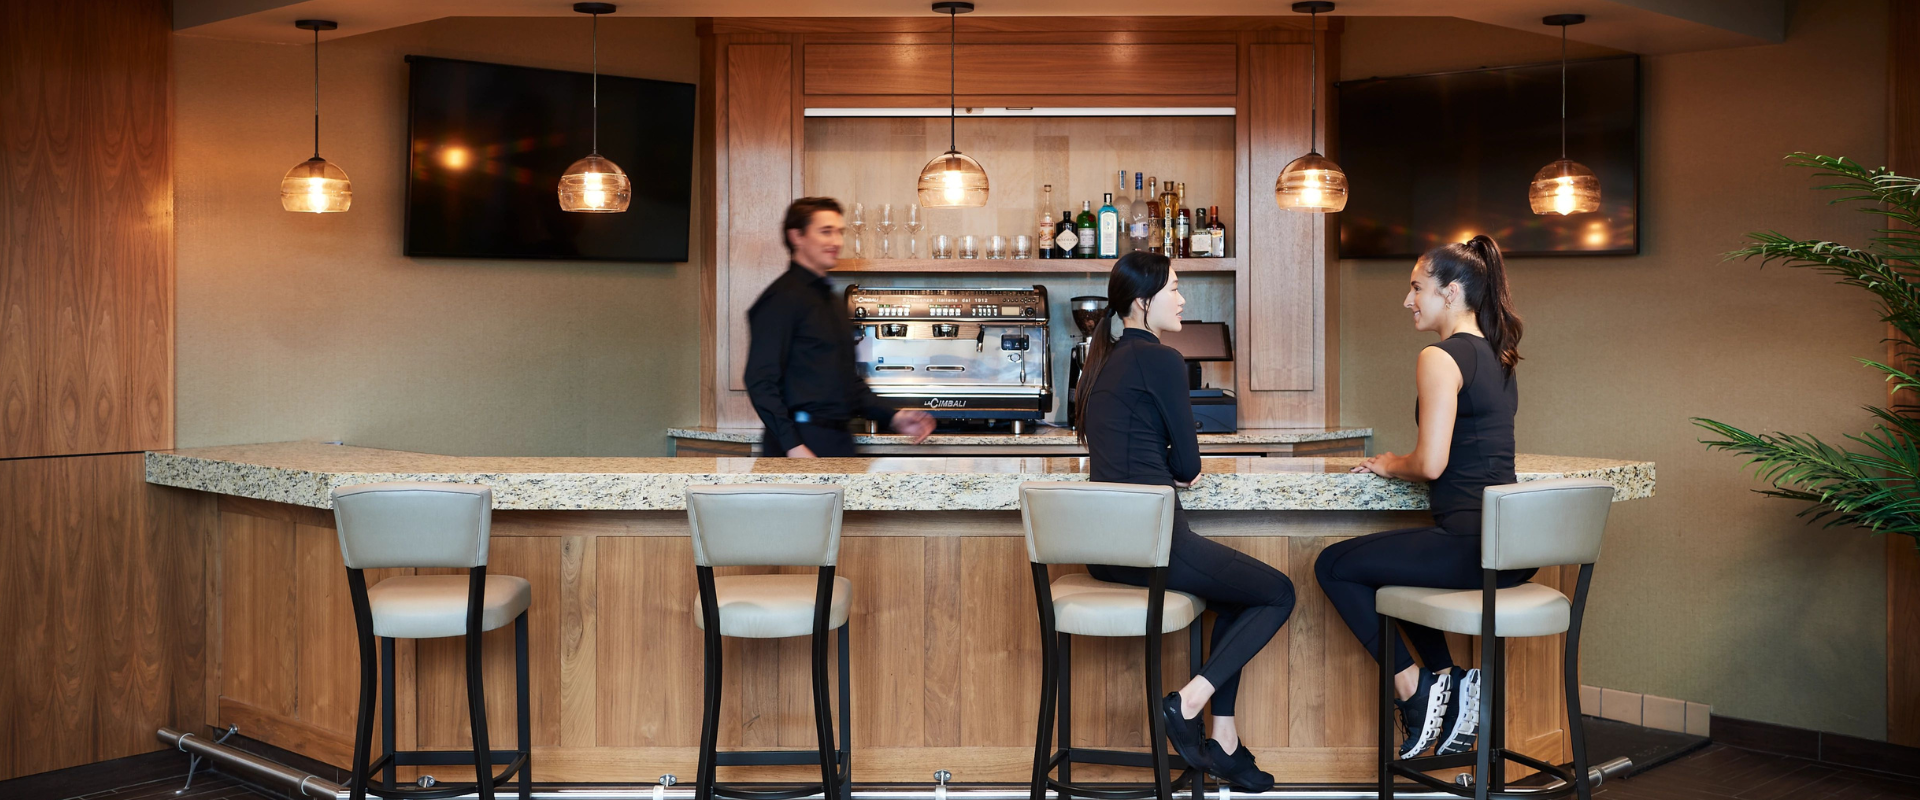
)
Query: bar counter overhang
[{"x": 945, "y": 649}]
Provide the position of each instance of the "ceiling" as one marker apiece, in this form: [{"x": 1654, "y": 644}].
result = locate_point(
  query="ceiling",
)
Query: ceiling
[{"x": 1640, "y": 26}]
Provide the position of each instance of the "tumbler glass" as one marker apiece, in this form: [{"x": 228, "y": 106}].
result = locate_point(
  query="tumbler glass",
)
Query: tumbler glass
[
  {"x": 969, "y": 246},
  {"x": 1023, "y": 246},
  {"x": 997, "y": 247},
  {"x": 942, "y": 246}
]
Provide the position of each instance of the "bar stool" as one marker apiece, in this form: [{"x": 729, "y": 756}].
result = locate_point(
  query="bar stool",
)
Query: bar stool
[
  {"x": 1543, "y": 523},
  {"x": 766, "y": 525},
  {"x": 426, "y": 525},
  {"x": 1118, "y": 524}
]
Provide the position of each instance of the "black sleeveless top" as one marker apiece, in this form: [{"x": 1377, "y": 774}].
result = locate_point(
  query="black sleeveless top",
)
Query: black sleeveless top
[{"x": 1481, "y": 454}]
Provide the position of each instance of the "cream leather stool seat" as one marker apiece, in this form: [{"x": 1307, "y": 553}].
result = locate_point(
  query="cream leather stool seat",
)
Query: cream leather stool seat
[
  {"x": 773, "y": 606},
  {"x": 435, "y": 606},
  {"x": 1087, "y": 606},
  {"x": 1525, "y": 610}
]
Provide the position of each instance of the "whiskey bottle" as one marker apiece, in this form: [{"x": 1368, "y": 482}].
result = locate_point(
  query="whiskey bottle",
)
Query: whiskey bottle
[
  {"x": 1201, "y": 238},
  {"x": 1046, "y": 222},
  {"x": 1169, "y": 218},
  {"x": 1182, "y": 231},
  {"x": 1089, "y": 240},
  {"x": 1219, "y": 233},
  {"x": 1109, "y": 225},
  {"x": 1154, "y": 228}
]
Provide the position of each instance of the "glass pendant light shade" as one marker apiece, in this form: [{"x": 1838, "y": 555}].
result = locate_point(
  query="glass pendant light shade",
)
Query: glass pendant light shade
[
  {"x": 953, "y": 180},
  {"x": 595, "y": 185},
  {"x": 316, "y": 186},
  {"x": 1311, "y": 183},
  {"x": 1564, "y": 187}
]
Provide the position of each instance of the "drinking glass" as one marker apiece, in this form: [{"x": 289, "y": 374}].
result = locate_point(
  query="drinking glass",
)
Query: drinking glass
[
  {"x": 885, "y": 227},
  {"x": 969, "y": 246},
  {"x": 997, "y": 247},
  {"x": 913, "y": 230},
  {"x": 942, "y": 246},
  {"x": 858, "y": 224},
  {"x": 1023, "y": 246}
]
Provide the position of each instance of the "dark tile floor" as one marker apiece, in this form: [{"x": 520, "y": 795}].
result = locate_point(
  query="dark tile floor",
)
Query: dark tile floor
[{"x": 1717, "y": 772}]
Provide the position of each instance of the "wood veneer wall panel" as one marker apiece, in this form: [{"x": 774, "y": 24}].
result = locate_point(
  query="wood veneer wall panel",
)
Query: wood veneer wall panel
[
  {"x": 86, "y": 229},
  {"x": 1021, "y": 69},
  {"x": 1282, "y": 273},
  {"x": 759, "y": 180}
]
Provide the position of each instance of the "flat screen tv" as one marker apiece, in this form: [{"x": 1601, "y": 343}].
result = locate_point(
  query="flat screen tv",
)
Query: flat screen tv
[
  {"x": 489, "y": 142},
  {"x": 1438, "y": 158}
]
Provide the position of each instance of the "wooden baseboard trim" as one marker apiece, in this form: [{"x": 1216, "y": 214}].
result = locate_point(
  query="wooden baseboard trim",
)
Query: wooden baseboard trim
[{"x": 1837, "y": 749}]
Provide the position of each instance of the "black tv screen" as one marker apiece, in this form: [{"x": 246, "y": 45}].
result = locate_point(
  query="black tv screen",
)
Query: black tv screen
[
  {"x": 1438, "y": 158},
  {"x": 489, "y": 142}
]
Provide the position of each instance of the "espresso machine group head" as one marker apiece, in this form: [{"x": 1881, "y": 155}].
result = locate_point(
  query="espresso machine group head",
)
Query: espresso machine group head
[{"x": 1089, "y": 315}]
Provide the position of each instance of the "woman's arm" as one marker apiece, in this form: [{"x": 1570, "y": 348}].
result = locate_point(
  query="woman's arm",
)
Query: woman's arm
[
  {"x": 1166, "y": 380},
  {"x": 1439, "y": 380}
]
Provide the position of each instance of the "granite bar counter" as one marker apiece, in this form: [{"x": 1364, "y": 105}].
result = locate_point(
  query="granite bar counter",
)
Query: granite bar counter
[
  {"x": 1043, "y": 441},
  {"x": 944, "y": 632}
]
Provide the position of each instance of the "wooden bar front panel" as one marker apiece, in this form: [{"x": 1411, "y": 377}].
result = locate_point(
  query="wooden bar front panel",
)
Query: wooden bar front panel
[
  {"x": 945, "y": 653},
  {"x": 1089, "y": 70}
]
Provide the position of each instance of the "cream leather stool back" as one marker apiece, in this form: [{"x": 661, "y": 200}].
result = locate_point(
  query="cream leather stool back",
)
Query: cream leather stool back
[
  {"x": 1122, "y": 525},
  {"x": 767, "y": 525},
  {"x": 429, "y": 525},
  {"x": 1545, "y": 523}
]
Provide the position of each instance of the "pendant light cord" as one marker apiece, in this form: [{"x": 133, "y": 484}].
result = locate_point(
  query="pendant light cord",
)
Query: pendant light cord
[
  {"x": 596, "y": 84},
  {"x": 1563, "y": 92},
  {"x": 953, "y": 82},
  {"x": 1313, "y": 83},
  {"x": 316, "y": 92}
]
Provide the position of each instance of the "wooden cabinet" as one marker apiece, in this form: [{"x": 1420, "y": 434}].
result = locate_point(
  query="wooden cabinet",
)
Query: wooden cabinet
[{"x": 766, "y": 73}]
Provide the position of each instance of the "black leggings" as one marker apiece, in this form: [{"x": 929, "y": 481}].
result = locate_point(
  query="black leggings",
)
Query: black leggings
[
  {"x": 1446, "y": 556},
  {"x": 1251, "y": 598}
]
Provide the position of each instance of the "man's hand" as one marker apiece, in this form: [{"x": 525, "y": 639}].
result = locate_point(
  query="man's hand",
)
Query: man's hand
[
  {"x": 801, "y": 452},
  {"x": 913, "y": 422}
]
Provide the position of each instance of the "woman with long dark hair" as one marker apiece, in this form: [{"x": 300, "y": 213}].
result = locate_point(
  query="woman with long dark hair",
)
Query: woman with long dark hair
[
  {"x": 1468, "y": 396},
  {"x": 1137, "y": 424}
]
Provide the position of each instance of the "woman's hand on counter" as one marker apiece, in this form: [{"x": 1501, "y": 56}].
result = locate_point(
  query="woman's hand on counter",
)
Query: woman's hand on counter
[
  {"x": 1376, "y": 465},
  {"x": 913, "y": 422}
]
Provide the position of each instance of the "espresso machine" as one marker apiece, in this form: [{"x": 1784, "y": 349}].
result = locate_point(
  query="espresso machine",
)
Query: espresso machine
[
  {"x": 1088, "y": 312},
  {"x": 962, "y": 355}
]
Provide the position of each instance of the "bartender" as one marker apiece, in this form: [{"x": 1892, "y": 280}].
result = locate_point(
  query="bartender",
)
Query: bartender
[{"x": 800, "y": 370}]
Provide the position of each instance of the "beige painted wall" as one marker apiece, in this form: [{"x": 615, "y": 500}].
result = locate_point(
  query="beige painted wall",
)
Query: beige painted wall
[
  {"x": 301, "y": 326},
  {"x": 1706, "y": 592}
]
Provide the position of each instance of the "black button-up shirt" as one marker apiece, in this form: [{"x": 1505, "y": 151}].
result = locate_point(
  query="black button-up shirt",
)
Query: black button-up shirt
[{"x": 800, "y": 358}]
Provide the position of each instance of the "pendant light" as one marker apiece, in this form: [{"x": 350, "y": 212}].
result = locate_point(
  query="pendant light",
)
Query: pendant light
[
  {"x": 316, "y": 185},
  {"x": 951, "y": 179},
  {"x": 1312, "y": 182},
  {"x": 1566, "y": 186},
  {"x": 593, "y": 184}
]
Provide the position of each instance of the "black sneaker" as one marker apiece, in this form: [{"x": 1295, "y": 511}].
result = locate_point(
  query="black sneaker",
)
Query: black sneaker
[
  {"x": 1237, "y": 768},
  {"x": 1420, "y": 715},
  {"x": 1460, "y": 728},
  {"x": 1185, "y": 733}
]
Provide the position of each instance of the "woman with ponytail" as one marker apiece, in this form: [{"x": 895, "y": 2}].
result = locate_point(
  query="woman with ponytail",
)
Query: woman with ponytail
[
  {"x": 1136, "y": 421},
  {"x": 1468, "y": 396}
]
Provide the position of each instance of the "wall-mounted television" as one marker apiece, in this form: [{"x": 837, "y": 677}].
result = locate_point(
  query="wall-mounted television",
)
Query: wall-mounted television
[
  {"x": 1438, "y": 158},
  {"x": 487, "y": 144}
]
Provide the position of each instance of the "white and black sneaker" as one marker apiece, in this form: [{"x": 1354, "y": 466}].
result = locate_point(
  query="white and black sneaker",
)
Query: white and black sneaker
[
  {"x": 1461, "y": 725},
  {"x": 1420, "y": 715}
]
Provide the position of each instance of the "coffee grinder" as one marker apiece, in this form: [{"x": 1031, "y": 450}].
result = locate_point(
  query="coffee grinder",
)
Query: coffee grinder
[{"x": 1089, "y": 312}]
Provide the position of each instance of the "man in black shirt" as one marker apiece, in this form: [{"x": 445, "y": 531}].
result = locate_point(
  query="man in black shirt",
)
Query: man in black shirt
[{"x": 800, "y": 373}]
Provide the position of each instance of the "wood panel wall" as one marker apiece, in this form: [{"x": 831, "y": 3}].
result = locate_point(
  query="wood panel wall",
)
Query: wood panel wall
[
  {"x": 767, "y": 72},
  {"x": 102, "y": 581},
  {"x": 1903, "y": 561},
  {"x": 945, "y": 653}
]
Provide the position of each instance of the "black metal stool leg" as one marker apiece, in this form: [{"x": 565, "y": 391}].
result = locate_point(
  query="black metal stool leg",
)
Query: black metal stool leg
[
  {"x": 1385, "y": 740},
  {"x": 822, "y": 704},
  {"x": 523, "y": 688},
  {"x": 1157, "y": 741},
  {"x": 1049, "y": 679},
  {"x": 369, "y": 683},
  {"x": 710, "y": 715},
  {"x": 388, "y": 746},
  {"x": 1064, "y": 745},
  {"x": 1485, "y": 761},
  {"x": 1195, "y": 662},
  {"x": 1497, "y": 782},
  {"x": 476, "y": 690},
  {"x": 1570, "y": 674}
]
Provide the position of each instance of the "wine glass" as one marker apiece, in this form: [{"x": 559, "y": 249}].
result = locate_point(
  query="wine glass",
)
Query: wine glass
[
  {"x": 859, "y": 224},
  {"x": 885, "y": 227},
  {"x": 913, "y": 229}
]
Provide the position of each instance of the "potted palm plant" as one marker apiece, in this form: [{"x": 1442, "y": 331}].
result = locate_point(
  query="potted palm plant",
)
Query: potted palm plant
[{"x": 1873, "y": 481}]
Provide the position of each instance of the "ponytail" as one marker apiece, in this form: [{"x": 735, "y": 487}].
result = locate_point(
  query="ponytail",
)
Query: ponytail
[
  {"x": 1136, "y": 276},
  {"x": 1477, "y": 266}
]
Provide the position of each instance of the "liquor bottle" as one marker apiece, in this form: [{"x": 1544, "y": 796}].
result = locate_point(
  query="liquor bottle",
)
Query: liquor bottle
[
  {"x": 1182, "y": 230},
  {"x": 1089, "y": 241},
  {"x": 1169, "y": 217},
  {"x": 1201, "y": 238},
  {"x": 1065, "y": 237},
  {"x": 1139, "y": 216},
  {"x": 1046, "y": 222},
  {"x": 1109, "y": 229},
  {"x": 1219, "y": 233},
  {"x": 1154, "y": 227},
  {"x": 1121, "y": 203}
]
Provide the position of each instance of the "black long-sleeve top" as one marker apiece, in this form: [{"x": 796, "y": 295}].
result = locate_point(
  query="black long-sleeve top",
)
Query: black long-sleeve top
[
  {"x": 1139, "y": 419},
  {"x": 800, "y": 358}
]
